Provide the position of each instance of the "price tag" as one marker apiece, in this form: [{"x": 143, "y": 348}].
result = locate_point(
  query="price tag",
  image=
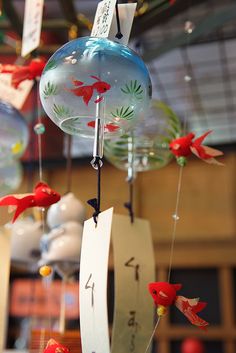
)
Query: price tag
[
  {"x": 134, "y": 267},
  {"x": 32, "y": 25},
  {"x": 126, "y": 16},
  {"x": 93, "y": 284},
  {"x": 15, "y": 96},
  {"x": 5, "y": 245},
  {"x": 103, "y": 18}
]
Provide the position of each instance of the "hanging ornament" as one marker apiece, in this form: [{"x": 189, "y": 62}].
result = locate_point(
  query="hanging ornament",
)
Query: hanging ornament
[
  {"x": 192, "y": 345},
  {"x": 164, "y": 295},
  {"x": 69, "y": 208},
  {"x": 63, "y": 243},
  {"x": 10, "y": 176},
  {"x": 150, "y": 141},
  {"x": 43, "y": 196},
  {"x": 25, "y": 242},
  {"x": 45, "y": 271},
  {"x": 182, "y": 147},
  {"x": 55, "y": 347},
  {"x": 88, "y": 76},
  {"x": 22, "y": 73},
  {"x": 13, "y": 131}
]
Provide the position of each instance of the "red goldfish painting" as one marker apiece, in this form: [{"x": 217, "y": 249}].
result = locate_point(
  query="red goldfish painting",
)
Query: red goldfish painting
[
  {"x": 55, "y": 347},
  {"x": 184, "y": 146},
  {"x": 107, "y": 127},
  {"x": 164, "y": 295},
  {"x": 22, "y": 73},
  {"x": 43, "y": 196},
  {"x": 87, "y": 91}
]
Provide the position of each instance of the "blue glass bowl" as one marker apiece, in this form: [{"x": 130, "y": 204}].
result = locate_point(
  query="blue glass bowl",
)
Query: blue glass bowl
[{"x": 90, "y": 76}]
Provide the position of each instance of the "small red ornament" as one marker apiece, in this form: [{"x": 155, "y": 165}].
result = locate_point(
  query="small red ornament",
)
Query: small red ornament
[
  {"x": 184, "y": 146},
  {"x": 164, "y": 295},
  {"x": 43, "y": 196},
  {"x": 192, "y": 345},
  {"x": 22, "y": 73},
  {"x": 55, "y": 347}
]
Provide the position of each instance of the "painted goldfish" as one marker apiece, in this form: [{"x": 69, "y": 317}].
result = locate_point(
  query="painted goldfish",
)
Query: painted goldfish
[
  {"x": 87, "y": 91},
  {"x": 107, "y": 127},
  {"x": 43, "y": 196},
  {"x": 184, "y": 146},
  {"x": 55, "y": 347},
  {"x": 164, "y": 295}
]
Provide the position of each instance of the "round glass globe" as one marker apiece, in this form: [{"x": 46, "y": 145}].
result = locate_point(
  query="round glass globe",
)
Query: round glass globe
[
  {"x": 10, "y": 176},
  {"x": 13, "y": 131},
  {"x": 148, "y": 143},
  {"x": 91, "y": 77}
]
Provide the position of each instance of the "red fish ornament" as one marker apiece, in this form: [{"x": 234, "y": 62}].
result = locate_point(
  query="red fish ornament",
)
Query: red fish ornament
[
  {"x": 164, "y": 295},
  {"x": 22, "y": 73},
  {"x": 107, "y": 127},
  {"x": 183, "y": 146},
  {"x": 43, "y": 196},
  {"x": 87, "y": 91},
  {"x": 55, "y": 347}
]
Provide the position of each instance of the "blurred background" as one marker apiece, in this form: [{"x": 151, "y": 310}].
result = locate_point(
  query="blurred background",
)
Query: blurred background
[{"x": 189, "y": 47}]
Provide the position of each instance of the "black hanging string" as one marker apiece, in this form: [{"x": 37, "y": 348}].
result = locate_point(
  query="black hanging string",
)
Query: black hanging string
[
  {"x": 129, "y": 204},
  {"x": 118, "y": 35},
  {"x": 95, "y": 203}
]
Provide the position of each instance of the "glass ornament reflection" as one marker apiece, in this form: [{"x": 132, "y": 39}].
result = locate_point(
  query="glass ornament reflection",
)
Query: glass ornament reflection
[
  {"x": 149, "y": 142},
  {"x": 88, "y": 72}
]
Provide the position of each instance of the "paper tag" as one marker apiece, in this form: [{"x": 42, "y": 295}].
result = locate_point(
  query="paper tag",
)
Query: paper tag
[
  {"x": 12, "y": 95},
  {"x": 5, "y": 245},
  {"x": 93, "y": 284},
  {"x": 103, "y": 18},
  {"x": 134, "y": 267},
  {"x": 32, "y": 25},
  {"x": 126, "y": 16},
  {"x": 105, "y": 24}
]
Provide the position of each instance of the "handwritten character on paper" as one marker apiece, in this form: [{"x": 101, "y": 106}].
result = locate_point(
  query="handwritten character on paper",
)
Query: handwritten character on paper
[{"x": 90, "y": 286}]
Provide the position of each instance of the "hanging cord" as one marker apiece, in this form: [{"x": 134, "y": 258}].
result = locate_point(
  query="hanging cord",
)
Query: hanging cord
[
  {"x": 95, "y": 203},
  {"x": 68, "y": 163},
  {"x": 118, "y": 35},
  {"x": 153, "y": 333},
  {"x": 189, "y": 27},
  {"x": 129, "y": 204}
]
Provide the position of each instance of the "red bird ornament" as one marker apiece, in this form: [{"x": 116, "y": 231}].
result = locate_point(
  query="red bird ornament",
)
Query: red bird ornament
[
  {"x": 183, "y": 146},
  {"x": 22, "y": 73},
  {"x": 43, "y": 196},
  {"x": 164, "y": 295},
  {"x": 55, "y": 347}
]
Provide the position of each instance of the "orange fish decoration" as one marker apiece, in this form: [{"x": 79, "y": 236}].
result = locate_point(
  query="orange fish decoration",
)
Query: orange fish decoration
[
  {"x": 55, "y": 347},
  {"x": 107, "y": 127},
  {"x": 87, "y": 91},
  {"x": 43, "y": 196},
  {"x": 183, "y": 146},
  {"x": 22, "y": 73},
  {"x": 164, "y": 295}
]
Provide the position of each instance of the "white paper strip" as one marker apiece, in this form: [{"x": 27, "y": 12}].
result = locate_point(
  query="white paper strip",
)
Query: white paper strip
[
  {"x": 32, "y": 25},
  {"x": 103, "y": 18},
  {"x": 93, "y": 284},
  {"x": 12, "y": 95},
  {"x": 134, "y": 268},
  {"x": 105, "y": 23},
  {"x": 126, "y": 16},
  {"x": 5, "y": 246}
]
